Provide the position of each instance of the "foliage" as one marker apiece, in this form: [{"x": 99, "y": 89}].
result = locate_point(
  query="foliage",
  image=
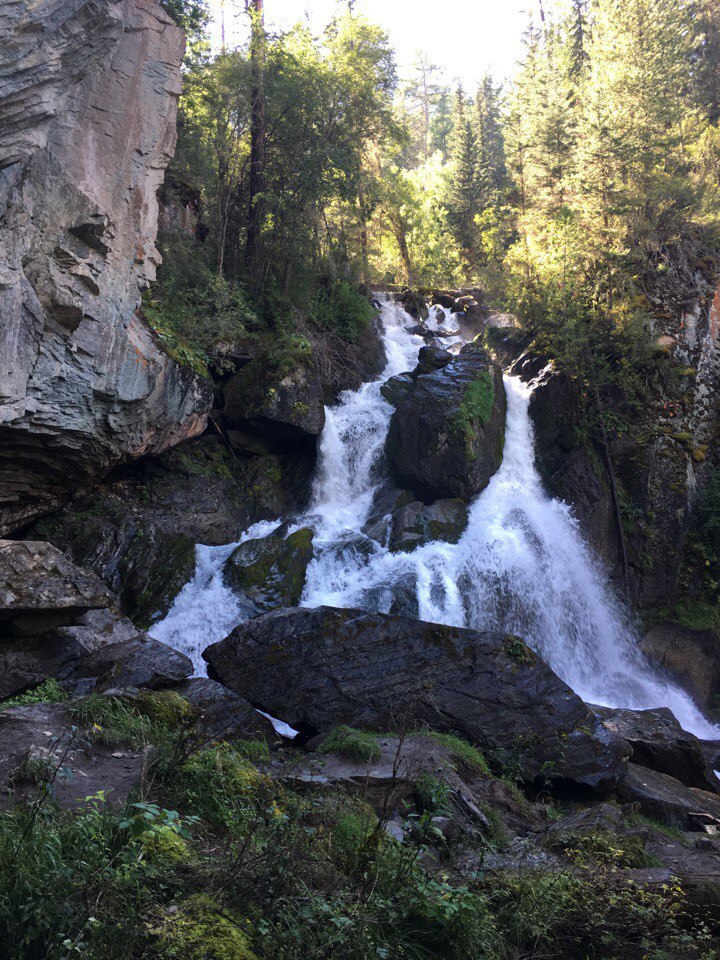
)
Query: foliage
[
  {"x": 431, "y": 793},
  {"x": 49, "y": 691},
  {"x": 467, "y": 757},
  {"x": 352, "y": 744},
  {"x": 341, "y": 309}
]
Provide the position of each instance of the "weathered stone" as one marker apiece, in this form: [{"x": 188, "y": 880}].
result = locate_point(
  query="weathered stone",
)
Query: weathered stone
[
  {"x": 416, "y": 524},
  {"x": 223, "y": 715},
  {"x": 446, "y": 437},
  {"x": 669, "y": 800},
  {"x": 280, "y": 405},
  {"x": 137, "y": 662},
  {"x": 316, "y": 668},
  {"x": 271, "y": 572},
  {"x": 660, "y": 743},
  {"x": 431, "y": 359},
  {"x": 88, "y": 94},
  {"x": 36, "y": 579},
  {"x": 386, "y": 501}
]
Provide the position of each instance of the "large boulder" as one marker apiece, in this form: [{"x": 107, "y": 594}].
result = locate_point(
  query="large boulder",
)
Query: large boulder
[
  {"x": 446, "y": 436},
  {"x": 660, "y": 743},
  {"x": 417, "y": 523},
  {"x": 281, "y": 404},
  {"x": 271, "y": 572},
  {"x": 316, "y": 668},
  {"x": 57, "y": 620},
  {"x": 88, "y": 98},
  {"x": 670, "y": 801},
  {"x": 39, "y": 584}
]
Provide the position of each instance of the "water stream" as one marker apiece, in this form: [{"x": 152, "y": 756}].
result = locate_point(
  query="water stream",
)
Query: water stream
[{"x": 521, "y": 566}]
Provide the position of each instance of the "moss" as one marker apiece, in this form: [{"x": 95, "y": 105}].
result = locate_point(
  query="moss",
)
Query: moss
[
  {"x": 165, "y": 846},
  {"x": 155, "y": 569},
  {"x": 201, "y": 930},
  {"x": 164, "y": 706},
  {"x": 463, "y": 754},
  {"x": 49, "y": 691},
  {"x": 475, "y": 410},
  {"x": 351, "y": 744},
  {"x": 516, "y": 649},
  {"x": 272, "y": 570}
]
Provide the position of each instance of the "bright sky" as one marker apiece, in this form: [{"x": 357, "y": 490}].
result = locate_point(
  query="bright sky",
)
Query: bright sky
[{"x": 465, "y": 37}]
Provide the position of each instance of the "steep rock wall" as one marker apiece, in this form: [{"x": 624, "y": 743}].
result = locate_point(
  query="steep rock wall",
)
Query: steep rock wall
[{"x": 88, "y": 100}]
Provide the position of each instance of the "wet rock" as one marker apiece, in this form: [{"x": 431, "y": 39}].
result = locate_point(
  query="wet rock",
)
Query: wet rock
[
  {"x": 271, "y": 572},
  {"x": 316, "y": 668},
  {"x": 692, "y": 657},
  {"x": 386, "y": 501},
  {"x": 446, "y": 437},
  {"x": 414, "y": 303},
  {"x": 280, "y": 405},
  {"x": 416, "y": 524},
  {"x": 88, "y": 97},
  {"x": 396, "y": 389},
  {"x": 223, "y": 715},
  {"x": 660, "y": 743},
  {"x": 39, "y": 741},
  {"x": 670, "y": 801},
  {"x": 430, "y": 359}
]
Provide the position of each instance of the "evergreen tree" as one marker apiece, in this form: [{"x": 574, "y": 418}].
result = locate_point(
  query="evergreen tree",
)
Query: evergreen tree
[{"x": 464, "y": 190}]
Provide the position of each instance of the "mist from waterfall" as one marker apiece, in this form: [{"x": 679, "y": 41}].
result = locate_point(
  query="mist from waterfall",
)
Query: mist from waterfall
[{"x": 521, "y": 566}]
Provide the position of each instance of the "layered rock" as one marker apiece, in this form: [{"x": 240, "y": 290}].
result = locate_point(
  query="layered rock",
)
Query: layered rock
[
  {"x": 446, "y": 435},
  {"x": 320, "y": 667},
  {"x": 57, "y": 620},
  {"x": 88, "y": 96}
]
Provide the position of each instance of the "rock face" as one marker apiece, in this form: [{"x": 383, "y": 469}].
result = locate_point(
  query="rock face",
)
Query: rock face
[
  {"x": 88, "y": 95},
  {"x": 660, "y": 743},
  {"x": 670, "y": 801},
  {"x": 271, "y": 572},
  {"x": 288, "y": 406},
  {"x": 316, "y": 668},
  {"x": 692, "y": 657},
  {"x": 446, "y": 435},
  {"x": 56, "y": 620}
]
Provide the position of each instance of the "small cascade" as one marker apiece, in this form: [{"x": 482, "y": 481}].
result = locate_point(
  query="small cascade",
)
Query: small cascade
[{"x": 521, "y": 566}]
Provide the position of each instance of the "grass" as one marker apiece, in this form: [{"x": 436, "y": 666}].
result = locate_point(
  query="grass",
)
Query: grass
[
  {"x": 475, "y": 410},
  {"x": 463, "y": 754},
  {"x": 113, "y": 721},
  {"x": 352, "y": 744},
  {"x": 49, "y": 691}
]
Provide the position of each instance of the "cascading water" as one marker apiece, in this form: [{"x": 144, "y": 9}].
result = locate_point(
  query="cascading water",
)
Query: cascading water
[{"x": 521, "y": 565}]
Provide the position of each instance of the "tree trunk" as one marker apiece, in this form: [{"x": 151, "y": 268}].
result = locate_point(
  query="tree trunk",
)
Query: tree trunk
[{"x": 257, "y": 138}]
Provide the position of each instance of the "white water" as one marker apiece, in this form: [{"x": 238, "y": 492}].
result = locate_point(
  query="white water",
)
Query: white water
[{"x": 521, "y": 565}]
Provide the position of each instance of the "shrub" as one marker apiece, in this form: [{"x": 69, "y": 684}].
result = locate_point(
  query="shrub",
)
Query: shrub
[
  {"x": 49, "y": 691},
  {"x": 352, "y": 744},
  {"x": 342, "y": 310},
  {"x": 431, "y": 793}
]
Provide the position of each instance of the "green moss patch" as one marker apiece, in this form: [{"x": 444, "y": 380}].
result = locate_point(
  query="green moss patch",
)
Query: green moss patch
[{"x": 352, "y": 744}]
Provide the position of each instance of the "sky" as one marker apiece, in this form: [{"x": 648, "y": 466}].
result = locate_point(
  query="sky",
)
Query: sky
[{"x": 467, "y": 38}]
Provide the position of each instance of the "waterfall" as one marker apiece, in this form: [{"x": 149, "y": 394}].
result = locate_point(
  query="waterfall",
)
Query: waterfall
[{"x": 521, "y": 566}]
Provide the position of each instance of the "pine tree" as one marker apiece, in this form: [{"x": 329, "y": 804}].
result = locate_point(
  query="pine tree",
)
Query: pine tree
[
  {"x": 490, "y": 141},
  {"x": 464, "y": 192}
]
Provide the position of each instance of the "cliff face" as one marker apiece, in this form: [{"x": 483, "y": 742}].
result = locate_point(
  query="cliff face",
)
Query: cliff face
[{"x": 88, "y": 99}]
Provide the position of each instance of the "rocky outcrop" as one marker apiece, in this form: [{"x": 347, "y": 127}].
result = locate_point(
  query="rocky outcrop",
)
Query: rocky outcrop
[
  {"x": 58, "y": 621},
  {"x": 88, "y": 95},
  {"x": 316, "y": 668},
  {"x": 446, "y": 436},
  {"x": 280, "y": 405},
  {"x": 692, "y": 657},
  {"x": 271, "y": 572},
  {"x": 670, "y": 801},
  {"x": 660, "y": 743}
]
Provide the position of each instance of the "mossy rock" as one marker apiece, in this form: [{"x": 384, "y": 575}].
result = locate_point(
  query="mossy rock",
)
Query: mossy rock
[
  {"x": 154, "y": 570},
  {"x": 271, "y": 572},
  {"x": 202, "y": 930}
]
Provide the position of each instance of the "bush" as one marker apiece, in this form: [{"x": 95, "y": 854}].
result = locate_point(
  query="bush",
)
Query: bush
[
  {"x": 342, "y": 310},
  {"x": 49, "y": 691}
]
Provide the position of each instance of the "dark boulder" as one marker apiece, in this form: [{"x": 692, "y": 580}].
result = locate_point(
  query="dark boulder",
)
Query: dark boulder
[
  {"x": 396, "y": 389},
  {"x": 670, "y": 801},
  {"x": 414, "y": 303},
  {"x": 446, "y": 437},
  {"x": 284, "y": 405},
  {"x": 660, "y": 743},
  {"x": 137, "y": 662},
  {"x": 316, "y": 668},
  {"x": 223, "y": 715},
  {"x": 417, "y": 523},
  {"x": 431, "y": 358},
  {"x": 386, "y": 501},
  {"x": 271, "y": 572}
]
